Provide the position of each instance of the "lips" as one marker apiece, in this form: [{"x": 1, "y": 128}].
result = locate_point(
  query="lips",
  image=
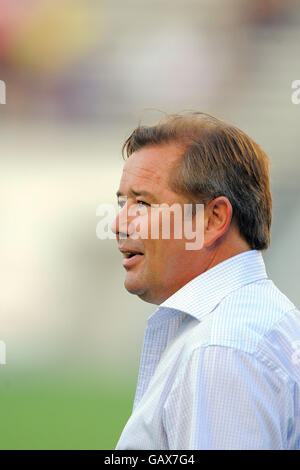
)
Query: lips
[
  {"x": 130, "y": 256},
  {"x": 127, "y": 251},
  {"x": 131, "y": 261}
]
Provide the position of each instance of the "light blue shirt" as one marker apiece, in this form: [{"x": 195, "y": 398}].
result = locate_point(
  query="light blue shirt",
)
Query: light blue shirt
[{"x": 220, "y": 367}]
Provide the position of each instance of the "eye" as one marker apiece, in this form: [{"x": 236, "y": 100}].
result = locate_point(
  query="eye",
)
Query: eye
[
  {"x": 143, "y": 203},
  {"x": 121, "y": 204}
]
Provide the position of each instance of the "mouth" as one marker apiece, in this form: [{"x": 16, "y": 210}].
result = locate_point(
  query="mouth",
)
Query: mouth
[{"x": 131, "y": 258}]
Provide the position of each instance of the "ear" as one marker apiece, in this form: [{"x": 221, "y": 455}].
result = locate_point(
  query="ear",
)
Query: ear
[{"x": 217, "y": 219}]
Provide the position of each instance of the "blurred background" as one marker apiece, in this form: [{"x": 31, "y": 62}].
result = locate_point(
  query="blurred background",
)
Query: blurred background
[{"x": 78, "y": 75}]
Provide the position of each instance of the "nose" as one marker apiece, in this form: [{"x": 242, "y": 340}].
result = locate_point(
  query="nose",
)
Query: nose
[{"x": 120, "y": 225}]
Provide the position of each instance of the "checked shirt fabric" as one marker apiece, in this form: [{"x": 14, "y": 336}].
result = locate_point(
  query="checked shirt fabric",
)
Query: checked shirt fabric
[{"x": 220, "y": 366}]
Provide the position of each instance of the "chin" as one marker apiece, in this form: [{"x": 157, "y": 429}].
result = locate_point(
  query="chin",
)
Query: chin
[
  {"x": 142, "y": 292},
  {"x": 134, "y": 287}
]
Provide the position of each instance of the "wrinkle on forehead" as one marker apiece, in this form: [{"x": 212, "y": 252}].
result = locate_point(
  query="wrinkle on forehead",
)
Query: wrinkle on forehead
[
  {"x": 153, "y": 163},
  {"x": 143, "y": 173}
]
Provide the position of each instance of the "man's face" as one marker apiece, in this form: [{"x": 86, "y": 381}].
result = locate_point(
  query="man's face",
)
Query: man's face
[{"x": 163, "y": 265}]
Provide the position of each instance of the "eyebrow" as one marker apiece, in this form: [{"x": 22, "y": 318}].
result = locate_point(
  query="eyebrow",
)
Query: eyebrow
[{"x": 137, "y": 193}]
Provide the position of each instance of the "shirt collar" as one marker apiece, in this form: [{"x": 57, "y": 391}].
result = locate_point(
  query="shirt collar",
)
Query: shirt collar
[{"x": 203, "y": 293}]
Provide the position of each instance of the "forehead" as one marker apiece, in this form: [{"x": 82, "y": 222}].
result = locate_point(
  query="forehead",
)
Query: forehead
[{"x": 150, "y": 167}]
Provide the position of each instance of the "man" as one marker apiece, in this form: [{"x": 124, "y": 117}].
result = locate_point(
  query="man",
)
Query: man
[{"x": 220, "y": 366}]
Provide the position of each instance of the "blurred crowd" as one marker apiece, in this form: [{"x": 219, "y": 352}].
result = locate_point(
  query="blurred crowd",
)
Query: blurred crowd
[{"x": 85, "y": 60}]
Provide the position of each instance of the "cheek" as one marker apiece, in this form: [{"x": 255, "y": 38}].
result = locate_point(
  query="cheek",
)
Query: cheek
[
  {"x": 156, "y": 254},
  {"x": 165, "y": 253}
]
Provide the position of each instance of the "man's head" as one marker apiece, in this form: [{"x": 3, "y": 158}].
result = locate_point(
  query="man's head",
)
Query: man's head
[{"x": 191, "y": 158}]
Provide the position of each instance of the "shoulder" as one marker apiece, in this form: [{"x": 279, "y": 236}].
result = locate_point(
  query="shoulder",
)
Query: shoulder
[
  {"x": 257, "y": 319},
  {"x": 247, "y": 315}
]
